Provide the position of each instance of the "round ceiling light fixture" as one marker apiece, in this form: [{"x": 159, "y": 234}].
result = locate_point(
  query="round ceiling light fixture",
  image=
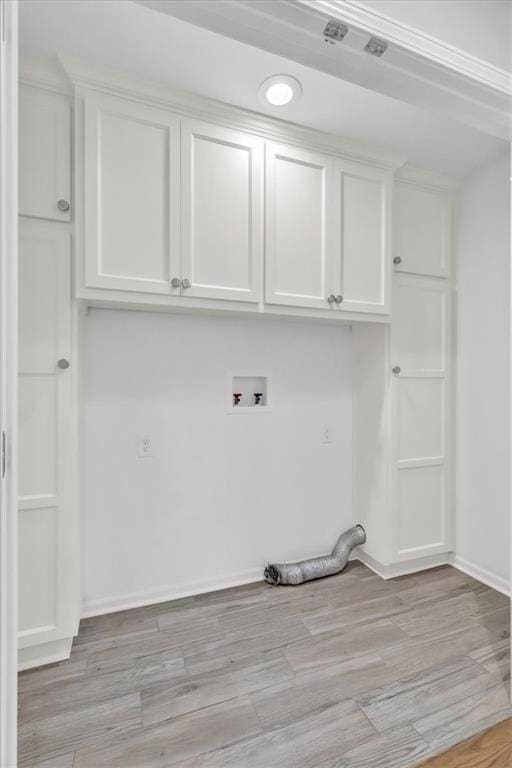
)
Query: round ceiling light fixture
[{"x": 279, "y": 90}]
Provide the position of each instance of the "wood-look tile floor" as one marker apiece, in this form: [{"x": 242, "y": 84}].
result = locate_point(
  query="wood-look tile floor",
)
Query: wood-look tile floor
[{"x": 346, "y": 672}]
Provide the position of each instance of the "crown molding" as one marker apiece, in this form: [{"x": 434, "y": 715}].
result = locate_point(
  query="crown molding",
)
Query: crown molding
[
  {"x": 38, "y": 74},
  {"x": 421, "y": 177},
  {"x": 415, "y": 41},
  {"x": 116, "y": 83}
]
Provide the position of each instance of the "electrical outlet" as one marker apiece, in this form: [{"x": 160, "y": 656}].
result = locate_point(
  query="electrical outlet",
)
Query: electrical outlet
[
  {"x": 144, "y": 450},
  {"x": 326, "y": 435}
]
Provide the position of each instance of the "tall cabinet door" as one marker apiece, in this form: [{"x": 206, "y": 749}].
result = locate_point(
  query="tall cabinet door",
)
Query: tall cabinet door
[
  {"x": 298, "y": 236},
  {"x": 131, "y": 187},
  {"x": 362, "y": 237},
  {"x": 44, "y": 154},
  {"x": 48, "y": 573},
  {"x": 422, "y": 382},
  {"x": 222, "y": 213}
]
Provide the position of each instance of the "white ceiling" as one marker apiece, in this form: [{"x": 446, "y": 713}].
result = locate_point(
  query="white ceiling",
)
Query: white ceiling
[{"x": 161, "y": 48}]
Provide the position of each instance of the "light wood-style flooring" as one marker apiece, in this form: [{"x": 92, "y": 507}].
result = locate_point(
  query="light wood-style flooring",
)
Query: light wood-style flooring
[
  {"x": 490, "y": 749},
  {"x": 346, "y": 672}
]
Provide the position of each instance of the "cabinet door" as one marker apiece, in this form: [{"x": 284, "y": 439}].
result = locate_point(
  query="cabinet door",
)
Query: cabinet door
[
  {"x": 298, "y": 237},
  {"x": 362, "y": 237},
  {"x": 422, "y": 231},
  {"x": 222, "y": 213},
  {"x": 44, "y": 154},
  {"x": 49, "y": 570},
  {"x": 421, "y": 347},
  {"x": 131, "y": 180}
]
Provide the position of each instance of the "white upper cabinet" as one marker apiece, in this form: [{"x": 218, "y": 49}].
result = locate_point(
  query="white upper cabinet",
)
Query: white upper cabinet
[
  {"x": 131, "y": 187},
  {"x": 422, "y": 231},
  {"x": 298, "y": 187},
  {"x": 45, "y": 154},
  {"x": 222, "y": 213},
  {"x": 362, "y": 237}
]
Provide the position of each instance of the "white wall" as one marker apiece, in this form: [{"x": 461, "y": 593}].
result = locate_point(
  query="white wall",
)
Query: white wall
[
  {"x": 483, "y": 373},
  {"x": 223, "y": 493}
]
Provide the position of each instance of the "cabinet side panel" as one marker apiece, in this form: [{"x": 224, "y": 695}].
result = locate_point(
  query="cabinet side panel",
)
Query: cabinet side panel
[{"x": 371, "y": 430}]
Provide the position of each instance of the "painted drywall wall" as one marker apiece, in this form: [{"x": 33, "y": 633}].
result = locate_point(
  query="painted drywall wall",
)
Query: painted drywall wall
[
  {"x": 483, "y": 374},
  {"x": 222, "y": 494},
  {"x": 480, "y": 28}
]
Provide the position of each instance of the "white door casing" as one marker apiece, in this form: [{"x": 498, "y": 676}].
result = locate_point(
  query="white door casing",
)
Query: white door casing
[
  {"x": 131, "y": 187},
  {"x": 48, "y": 572},
  {"x": 222, "y": 212},
  {"x": 45, "y": 157},
  {"x": 298, "y": 227},
  {"x": 8, "y": 378}
]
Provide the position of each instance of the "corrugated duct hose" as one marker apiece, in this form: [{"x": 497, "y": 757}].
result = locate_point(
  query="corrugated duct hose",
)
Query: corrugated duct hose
[{"x": 317, "y": 567}]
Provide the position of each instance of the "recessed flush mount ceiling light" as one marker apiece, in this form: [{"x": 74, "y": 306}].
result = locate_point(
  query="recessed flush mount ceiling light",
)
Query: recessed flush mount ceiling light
[{"x": 279, "y": 90}]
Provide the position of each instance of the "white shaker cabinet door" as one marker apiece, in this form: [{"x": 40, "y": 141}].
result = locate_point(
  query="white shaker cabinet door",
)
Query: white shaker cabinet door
[
  {"x": 44, "y": 154},
  {"x": 49, "y": 570},
  {"x": 131, "y": 187},
  {"x": 222, "y": 213},
  {"x": 422, "y": 231},
  {"x": 298, "y": 236},
  {"x": 422, "y": 382},
  {"x": 362, "y": 237}
]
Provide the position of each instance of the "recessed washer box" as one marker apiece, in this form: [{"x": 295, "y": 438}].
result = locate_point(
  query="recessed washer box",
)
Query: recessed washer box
[{"x": 250, "y": 389}]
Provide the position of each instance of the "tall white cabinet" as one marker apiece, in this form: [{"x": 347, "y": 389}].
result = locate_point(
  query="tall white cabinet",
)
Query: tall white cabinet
[
  {"x": 48, "y": 531},
  {"x": 44, "y": 154},
  {"x": 403, "y": 379}
]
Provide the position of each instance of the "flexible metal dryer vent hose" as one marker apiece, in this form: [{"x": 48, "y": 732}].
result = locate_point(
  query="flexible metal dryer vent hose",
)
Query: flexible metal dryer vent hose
[{"x": 317, "y": 567}]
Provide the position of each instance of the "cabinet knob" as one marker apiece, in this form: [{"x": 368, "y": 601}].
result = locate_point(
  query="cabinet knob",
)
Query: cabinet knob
[
  {"x": 63, "y": 363},
  {"x": 331, "y": 298},
  {"x": 397, "y": 260},
  {"x": 397, "y": 369},
  {"x": 175, "y": 282},
  {"x": 339, "y": 298},
  {"x": 185, "y": 283},
  {"x": 63, "y": 205}
]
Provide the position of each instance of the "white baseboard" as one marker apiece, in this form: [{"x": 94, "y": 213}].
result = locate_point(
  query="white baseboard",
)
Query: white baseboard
[
  {"x": 163, "y": 594},
  {"x": 481, "y": 574},
  {"x": 403, "y": 568},
  {"x": 44, "y": 653},
  {"x": 97, "y": 607}
]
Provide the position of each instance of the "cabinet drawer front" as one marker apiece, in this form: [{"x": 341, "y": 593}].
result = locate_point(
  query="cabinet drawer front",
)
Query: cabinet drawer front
[
  {"x": 298, "y": 227},
  {"x": 222, "y": 212},
  {"x": 362, "y": 225},
  {"x": 44, "y": 154},
  {"x": 131, "y": 169}
]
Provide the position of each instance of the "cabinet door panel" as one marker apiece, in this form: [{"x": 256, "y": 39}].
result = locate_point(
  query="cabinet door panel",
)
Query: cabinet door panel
[
  {"x": 44, "y": 153},
  {"x": 222, "y": 212},
  {"x": 298, "y": 227},
  {"x": 48, "y": 570},
  {"x": 422, "y": 231},
  {"x": 419, "y": 324},
  {"x": 131, "y": 169},
  {"x": 421, "y": 511},
  {"x": 362, "y": 237}
]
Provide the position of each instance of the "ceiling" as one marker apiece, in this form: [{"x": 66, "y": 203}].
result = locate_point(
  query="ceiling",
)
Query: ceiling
[{"x": 168, "y": 51}]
